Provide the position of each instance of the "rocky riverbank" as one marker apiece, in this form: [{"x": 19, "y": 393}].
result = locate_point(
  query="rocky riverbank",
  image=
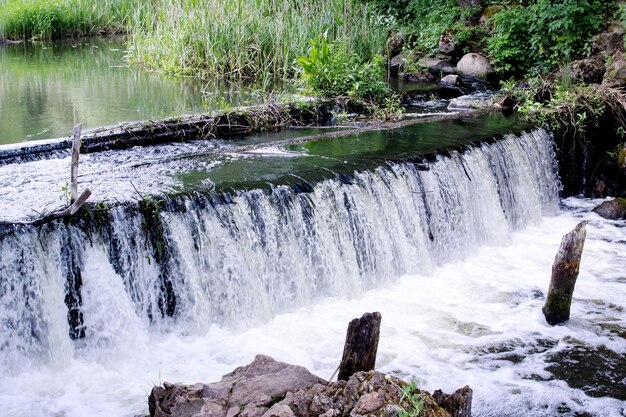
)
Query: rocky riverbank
[{"x": 268, "y": 388}]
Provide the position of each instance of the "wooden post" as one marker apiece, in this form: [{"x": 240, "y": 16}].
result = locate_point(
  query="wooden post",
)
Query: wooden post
[
  {"x": 564, "y": 273},
  {"x": 359, "y": 351},
  {"x": 75, "y": 155}
]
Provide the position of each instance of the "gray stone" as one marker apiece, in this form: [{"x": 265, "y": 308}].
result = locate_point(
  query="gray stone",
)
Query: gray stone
[
  {"x": 475, "y": 66},
  {"x": 615, "y": 75},
  {"x": 473, "y": 102},
  {"x": 613, "y": 209},
  {"x": 394, "y": 45},
  {"x": 447, "y": 45},
  {"x": 398, "y": 63},
  {"x": 609, "y": 43},
  {"x": 437, "y": 63},
  {"x": 451, "y": 80},
  {"x": 279, "y": 410}
]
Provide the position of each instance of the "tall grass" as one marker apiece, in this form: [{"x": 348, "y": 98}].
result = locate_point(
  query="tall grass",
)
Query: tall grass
[
  {"x": 47, "y": 19},
  {"x": 258, "y": 39},
  {"x": 247, "y": 38}
]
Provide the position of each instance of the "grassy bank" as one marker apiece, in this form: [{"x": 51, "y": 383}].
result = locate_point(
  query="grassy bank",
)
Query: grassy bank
[
  {"x": 248, "y": 38},
  {"x": 48, "y": 19}
]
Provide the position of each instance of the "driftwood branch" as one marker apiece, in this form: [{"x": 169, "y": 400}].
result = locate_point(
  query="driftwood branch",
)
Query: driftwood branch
[
  {"x": 75, "y": 155},
  {"x": 76, "y": 205},
  {"x": 564, "y": 274},
  {"x": 359, "y": 351}
]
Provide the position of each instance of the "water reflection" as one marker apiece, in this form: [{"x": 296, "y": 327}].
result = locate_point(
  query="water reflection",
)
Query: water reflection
[{"x": 46, "y": 88}]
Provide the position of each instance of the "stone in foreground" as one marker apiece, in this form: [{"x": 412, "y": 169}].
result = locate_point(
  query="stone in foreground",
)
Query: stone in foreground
[{"x": 268, "y": 388}]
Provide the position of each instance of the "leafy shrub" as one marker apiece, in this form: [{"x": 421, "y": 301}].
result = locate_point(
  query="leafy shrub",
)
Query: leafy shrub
[
  {"x": 544, "y": 34},
  {"x": 330, "y": 70}
]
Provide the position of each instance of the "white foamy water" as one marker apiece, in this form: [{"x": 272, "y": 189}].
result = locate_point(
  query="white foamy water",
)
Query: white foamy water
[
  {"x": 457, "y": 259},
  {"x": 439, "y": 329}
]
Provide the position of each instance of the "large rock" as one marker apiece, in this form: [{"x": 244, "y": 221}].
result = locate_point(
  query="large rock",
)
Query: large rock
[
  {"x": 247, "y": 391},
  {"x": 473, "y": 102},
  {"x": 613, "y": 209},
  {"x": 615, "y": 75},
  {"x": 587, "y": 70},
  {"x": 474, "y": 66},
  {"x": 451, "y": 79},
  {"x": 399, "y": 63},
  {"x": 447, "y": 45},
  {"x": 608, "y": 43},
  {"x": 267, "y": 388},
  {"x": 394, "y": 45},
  {"x": 438, "y": 64}
]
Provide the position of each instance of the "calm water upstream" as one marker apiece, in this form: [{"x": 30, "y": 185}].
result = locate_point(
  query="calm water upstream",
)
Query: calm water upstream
[{"x": 46, "y": 88}]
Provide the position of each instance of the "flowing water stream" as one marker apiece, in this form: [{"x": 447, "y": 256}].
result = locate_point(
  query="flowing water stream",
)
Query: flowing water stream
[
  {"x": 454, "y": 251},
  {"x": 201, "y": 255}
]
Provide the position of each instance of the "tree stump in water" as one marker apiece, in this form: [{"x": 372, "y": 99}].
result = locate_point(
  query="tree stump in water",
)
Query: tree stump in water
[
  {"x": 458, "y": 404},
  {"x": 564, "y": 273},
  {"x": 359, "y": 351}
]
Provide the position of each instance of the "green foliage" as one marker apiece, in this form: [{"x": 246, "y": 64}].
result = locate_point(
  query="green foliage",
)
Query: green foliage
[
  {"x": 259, "y": 39},
  {"x": 331, "y": 70},
  {"x": 414, "y": 399},
  {"x": 544, "y": 34},
  {"x": 46, "y": 19},
  {"x": 66, "y": 193}
]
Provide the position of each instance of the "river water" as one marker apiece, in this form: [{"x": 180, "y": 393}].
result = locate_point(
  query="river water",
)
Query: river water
[
  {"x": 446, "y": 231},
  {"x": 47, "y": 88},
  {"x": 455, "y": 253}
]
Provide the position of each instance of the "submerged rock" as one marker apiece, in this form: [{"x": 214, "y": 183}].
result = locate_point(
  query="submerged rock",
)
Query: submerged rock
[
  {"x": 268, "y": 388},
  {"x": 613, "y": 209},
  {"x": 451, "y": 80},
  {"x": 474, "y": 65}
]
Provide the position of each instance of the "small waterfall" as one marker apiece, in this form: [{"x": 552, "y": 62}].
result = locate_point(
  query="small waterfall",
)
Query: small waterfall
[{"x": 96, "y": 284}]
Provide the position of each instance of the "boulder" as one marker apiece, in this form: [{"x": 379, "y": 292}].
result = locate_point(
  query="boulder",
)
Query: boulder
[
  {"x": 615, "y": 75},
  {"x": 473, "y": 102},
  {"x": 609, "y": 43},
  {"x": 451, "y": 80},
  {"x": 267, "y": 388},
  {"x": 613, "y": 209},
  {"x": 438, "y": 64},
  {"x": 249, "y": 390},
  {"x": 394, "y": 45},
  {"x": 398, "y": 63},
  {"x": 589, "y": 71},
  {"x": 474, "y": 66},
  {"x": 447, "y": 45}
]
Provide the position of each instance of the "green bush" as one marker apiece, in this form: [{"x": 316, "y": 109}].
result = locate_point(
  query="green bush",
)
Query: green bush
[
  {"x": 545, "y": 34},
  {"x": 330, "y": 70}
]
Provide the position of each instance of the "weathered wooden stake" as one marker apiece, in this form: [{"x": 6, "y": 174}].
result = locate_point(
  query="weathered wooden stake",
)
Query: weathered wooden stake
[
  {"x": 76, "y": 205},
  {"x": 75, "y": 155},
  {"x": 359, "y": 351},
  {"x": 564, "y": 273}
]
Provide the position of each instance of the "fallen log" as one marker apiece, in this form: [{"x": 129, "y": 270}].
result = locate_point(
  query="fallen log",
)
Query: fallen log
[
  {"x": 359, "y": 351},
  {"x": 564, "y": 274}
]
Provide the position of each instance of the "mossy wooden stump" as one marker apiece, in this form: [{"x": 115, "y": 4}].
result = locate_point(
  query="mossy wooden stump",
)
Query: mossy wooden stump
[{"x": 564, "y": 274}]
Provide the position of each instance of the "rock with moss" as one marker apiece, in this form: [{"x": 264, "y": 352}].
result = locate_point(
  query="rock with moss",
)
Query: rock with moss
[
  {"x": 615, "y": 75},
  {"x": 588, "y": 71},
  {"x": 612, "y": 209},
  {"x": 394, "y": 45},
  {"x": 268, "y": 388},
  {"x": 608, "y": 43}
]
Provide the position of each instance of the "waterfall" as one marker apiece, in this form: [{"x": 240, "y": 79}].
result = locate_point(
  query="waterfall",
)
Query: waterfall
[{"x": 83, "y": 287}]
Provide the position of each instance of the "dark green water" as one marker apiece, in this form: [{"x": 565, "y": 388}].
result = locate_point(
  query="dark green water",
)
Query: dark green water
[
  {"x": 46, "y": 88},
  {"x": 320, "y": 159}
]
